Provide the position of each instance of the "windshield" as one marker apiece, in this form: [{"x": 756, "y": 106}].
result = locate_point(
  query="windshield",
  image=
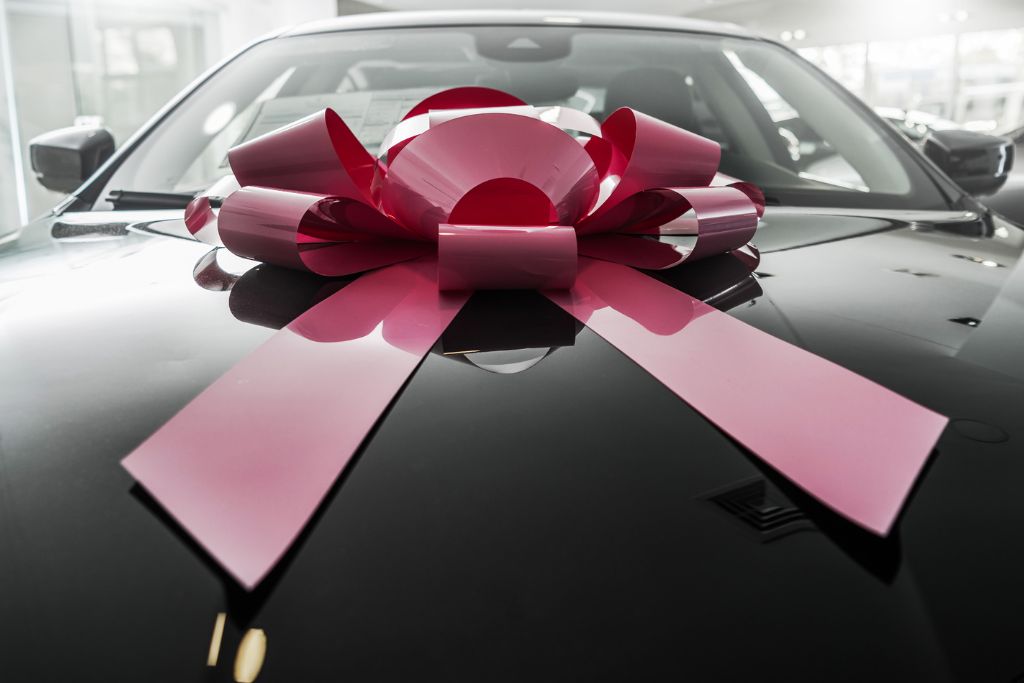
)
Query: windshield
[{"x": 781, "y": 125}]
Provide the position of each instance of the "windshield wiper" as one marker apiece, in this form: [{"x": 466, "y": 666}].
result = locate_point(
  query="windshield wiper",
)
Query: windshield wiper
[{"x": 130, "y": 199}]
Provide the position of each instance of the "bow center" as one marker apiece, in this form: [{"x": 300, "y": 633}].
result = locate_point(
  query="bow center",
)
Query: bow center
[{"x": 473, "y": 257}]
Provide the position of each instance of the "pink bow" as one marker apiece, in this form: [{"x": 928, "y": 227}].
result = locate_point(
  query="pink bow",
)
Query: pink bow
[{"x": 507, "y": 197}]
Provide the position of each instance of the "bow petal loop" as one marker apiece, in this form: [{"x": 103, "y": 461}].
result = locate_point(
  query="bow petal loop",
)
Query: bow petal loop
[
  {"x": 326, "y": 235},
  {"x": 753, "y": 192},
  {"x": 660, "y": 154},
  {"x": 201, "y": 216},
  {"x": 439, "y": 107},
  {"x": 726, "y": 219},
  {"x": 719, "y": 219},
  {"x": 647, "y": 153},
  {"x": 476, "y": 149},
  {"x": 316, "y": 154},
  {"x": 201, "y": 221}
]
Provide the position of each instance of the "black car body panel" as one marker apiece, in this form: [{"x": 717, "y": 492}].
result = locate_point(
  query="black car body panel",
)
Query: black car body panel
[
  {"x": 571, "y": 521},
  {"x": 533, "y": 506}
]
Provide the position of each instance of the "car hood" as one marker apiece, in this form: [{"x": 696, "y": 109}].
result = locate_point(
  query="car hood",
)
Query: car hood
[{"x": 533, "y": 505}]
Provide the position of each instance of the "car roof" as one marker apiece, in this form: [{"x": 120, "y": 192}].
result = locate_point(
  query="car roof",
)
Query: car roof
[{"x": 378, "y": 20}]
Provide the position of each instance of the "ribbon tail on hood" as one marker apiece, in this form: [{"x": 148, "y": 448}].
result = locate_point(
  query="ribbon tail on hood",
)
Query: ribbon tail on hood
[
  {"x": 852, "y": 444},
  {"x": 244, "y": 466}
]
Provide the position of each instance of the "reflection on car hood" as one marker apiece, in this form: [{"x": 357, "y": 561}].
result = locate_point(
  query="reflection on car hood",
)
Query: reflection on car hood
[{"x": 533, "y": 505}]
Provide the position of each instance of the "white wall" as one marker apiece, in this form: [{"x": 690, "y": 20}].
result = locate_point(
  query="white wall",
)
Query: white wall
[
  {"x": 12, "y": 200},
  {"x": 834, "y": 22},
  {"x": 244, "y": 20},
  {"x": 118, "y": 60}
]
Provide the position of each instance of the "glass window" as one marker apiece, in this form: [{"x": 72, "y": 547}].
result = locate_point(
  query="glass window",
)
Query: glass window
[
  {"x": 813, "y": 157},
  {"x": 913, "y": 74},
  {"x": 845, "y": 63},
  {"x": 119, "y": 52},
  {"x": 991, "y": 73},
  {"x": 780, "y": 124},
  {"x": 972, "y": 80},
  {"x": 104, "y": 63}
]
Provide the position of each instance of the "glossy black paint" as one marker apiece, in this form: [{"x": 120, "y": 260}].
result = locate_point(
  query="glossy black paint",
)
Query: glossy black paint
[
  {"x": 63, "y": 159},
  {"x": 476, "y": 538}
]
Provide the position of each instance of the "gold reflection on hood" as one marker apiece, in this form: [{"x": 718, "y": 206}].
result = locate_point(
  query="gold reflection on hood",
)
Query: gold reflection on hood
[
  {"x": 218, "y": 635},
  {"x": 249, "y": 658}
]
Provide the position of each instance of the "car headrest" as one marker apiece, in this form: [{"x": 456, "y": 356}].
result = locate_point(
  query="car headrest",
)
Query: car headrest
[
  {"x": 548, "y": 87},
  {"x": 662, "y": 93}
]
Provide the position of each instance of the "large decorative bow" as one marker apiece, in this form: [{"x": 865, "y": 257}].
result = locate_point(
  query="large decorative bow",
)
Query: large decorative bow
[
  {"x": 474, "y": 189},
  {"x": 500, "y": 188}
]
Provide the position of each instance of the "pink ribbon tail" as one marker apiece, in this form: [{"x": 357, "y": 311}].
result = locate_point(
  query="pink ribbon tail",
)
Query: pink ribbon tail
[
  {"x": 852, "y": 444},
  {"x": 244, "y": 465}
]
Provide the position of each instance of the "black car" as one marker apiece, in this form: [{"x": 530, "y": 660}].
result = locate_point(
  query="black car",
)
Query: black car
[{"x": 533, "y": 506}]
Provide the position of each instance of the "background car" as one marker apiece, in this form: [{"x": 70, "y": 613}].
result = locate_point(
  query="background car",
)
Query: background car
[
  {"x": 920, "y": 127},
  {"x": 1009, "y": 200},
  {"x": 916, "y": 125}
]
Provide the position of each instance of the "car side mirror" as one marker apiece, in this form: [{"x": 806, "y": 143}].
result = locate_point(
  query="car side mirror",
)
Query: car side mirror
[
  {"x": 63, "y": 159},
  {"x": 977, "y": 162}
]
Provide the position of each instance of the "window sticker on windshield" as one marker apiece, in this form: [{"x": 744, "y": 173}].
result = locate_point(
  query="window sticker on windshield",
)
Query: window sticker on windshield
[{"x": 370, "y": 115}]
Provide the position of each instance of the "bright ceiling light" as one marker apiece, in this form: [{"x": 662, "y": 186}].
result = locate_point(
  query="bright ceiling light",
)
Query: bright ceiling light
[
  {"x": 786, "y": 36},
  {"x": 799, "y": 34}
]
